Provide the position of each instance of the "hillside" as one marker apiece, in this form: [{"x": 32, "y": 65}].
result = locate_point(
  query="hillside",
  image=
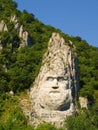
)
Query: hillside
[{"x": 23, "y": 41}]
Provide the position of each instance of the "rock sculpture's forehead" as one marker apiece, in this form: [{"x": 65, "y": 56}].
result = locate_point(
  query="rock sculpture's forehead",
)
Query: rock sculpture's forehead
[
  {"x": 54, "y": 73},
  {"x": 55, "y": 66}
]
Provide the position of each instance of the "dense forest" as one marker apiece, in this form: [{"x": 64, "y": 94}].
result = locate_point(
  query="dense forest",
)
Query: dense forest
[{"x": 20, "y": 65}]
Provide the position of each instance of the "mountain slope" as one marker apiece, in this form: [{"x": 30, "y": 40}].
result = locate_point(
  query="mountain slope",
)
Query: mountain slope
[{"x": 20, "y": 59}]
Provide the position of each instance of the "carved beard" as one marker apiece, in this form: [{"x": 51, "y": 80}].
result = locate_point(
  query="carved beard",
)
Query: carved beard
[{"x": 54, "y": 100}]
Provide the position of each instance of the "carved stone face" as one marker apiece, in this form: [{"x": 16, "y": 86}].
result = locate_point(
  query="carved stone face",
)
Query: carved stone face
[{"x": 56, "y": 92}]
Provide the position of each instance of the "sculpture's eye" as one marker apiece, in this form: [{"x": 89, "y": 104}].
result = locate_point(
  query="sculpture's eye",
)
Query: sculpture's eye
[
  {"x": 66, "y": 78},
  {"x": 50, "y": 78},
  {"x": 60, "y": 79}
]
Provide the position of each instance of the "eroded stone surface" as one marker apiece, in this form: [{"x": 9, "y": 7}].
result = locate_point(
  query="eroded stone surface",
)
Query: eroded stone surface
[
  {"x": 24, "y": 35},
  {"x": 54, "y": 92},
  {"x": 83, "y": 102},
  {"x": 3, "y": 26}
]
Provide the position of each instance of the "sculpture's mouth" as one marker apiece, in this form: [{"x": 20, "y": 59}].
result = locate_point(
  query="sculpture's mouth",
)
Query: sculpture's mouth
[{"x": 54, "y": 92}]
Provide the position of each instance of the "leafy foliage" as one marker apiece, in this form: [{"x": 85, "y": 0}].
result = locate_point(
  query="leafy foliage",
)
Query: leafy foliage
[
  {"x": 19, "y": 67},
  {"x": 11, "y": 116}
]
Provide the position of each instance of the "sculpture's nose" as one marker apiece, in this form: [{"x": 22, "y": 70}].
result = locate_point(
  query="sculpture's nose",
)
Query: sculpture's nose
[{"x": 55, "y": 84}]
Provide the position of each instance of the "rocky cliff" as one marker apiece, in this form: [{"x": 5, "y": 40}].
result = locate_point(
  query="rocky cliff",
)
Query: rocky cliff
[
  {"x": 3, "y": 26},
  {"x": 23, "y": 34},
  {"x": 54, "y": 92}
]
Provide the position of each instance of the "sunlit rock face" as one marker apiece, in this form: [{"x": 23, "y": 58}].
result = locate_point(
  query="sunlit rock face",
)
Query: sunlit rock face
[
  {"x": 3, "y": 26},
  {"x": 24, "y": 35},
  {"x": 54, "y": 92},
  {"x": 83, "y": 102}
]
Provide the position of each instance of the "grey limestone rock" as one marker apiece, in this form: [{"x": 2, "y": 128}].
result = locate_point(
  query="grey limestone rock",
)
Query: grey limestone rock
[
  {"x": 16, "y": 22},
  {"x": 83, "y": 102},
  {"x": 54, "y": 91},
  {"x": 24, "y": 35},
  {"x": 3, "y": 26},
  {"x": 14, "y": 19},
  {"x": 25, "y": 39}
]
